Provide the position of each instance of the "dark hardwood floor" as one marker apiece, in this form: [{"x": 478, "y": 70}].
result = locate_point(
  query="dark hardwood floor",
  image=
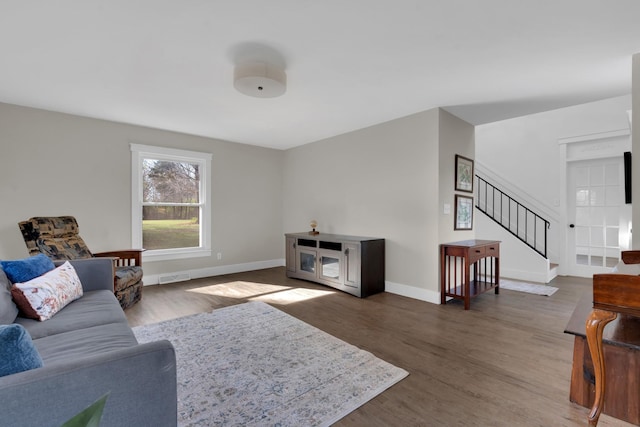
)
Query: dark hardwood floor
[{"x": 505, "y": 362}]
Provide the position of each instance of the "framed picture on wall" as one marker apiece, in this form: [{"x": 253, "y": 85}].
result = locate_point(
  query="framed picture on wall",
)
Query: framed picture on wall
[
  {"x": 463, "y": 213},
  {"x": 464, "y": 174}
]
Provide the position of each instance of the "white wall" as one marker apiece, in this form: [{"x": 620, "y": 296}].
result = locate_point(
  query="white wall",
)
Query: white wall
[
  {"x": 525, "y": 152},
  {"x": 383, "y": 181},
  {"x": 57, "y": 164},
  {"x": 635, "y": 141}
]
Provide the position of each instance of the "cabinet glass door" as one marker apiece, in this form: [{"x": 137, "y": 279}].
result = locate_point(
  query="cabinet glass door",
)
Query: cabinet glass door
[
  {"x": 330, "y": 267},
  {"x": 307, "y": 262}
]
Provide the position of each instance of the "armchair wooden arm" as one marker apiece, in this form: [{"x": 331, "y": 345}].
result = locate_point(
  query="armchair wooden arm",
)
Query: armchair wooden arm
[{"x": 123, "y": 258}]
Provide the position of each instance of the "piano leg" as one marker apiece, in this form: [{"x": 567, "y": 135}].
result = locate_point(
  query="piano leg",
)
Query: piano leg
[{"x": 596, "y": 322}]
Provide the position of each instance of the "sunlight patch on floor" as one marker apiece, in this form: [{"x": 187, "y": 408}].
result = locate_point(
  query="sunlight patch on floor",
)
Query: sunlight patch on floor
[
  {"x": 292, "y": 295},
  {"x": 261, "y": 292}
]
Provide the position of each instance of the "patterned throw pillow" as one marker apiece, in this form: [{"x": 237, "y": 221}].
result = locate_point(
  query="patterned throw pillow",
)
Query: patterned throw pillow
[
  {"x": 44, "y": 296},
  {"x": 17, "y": 352}
]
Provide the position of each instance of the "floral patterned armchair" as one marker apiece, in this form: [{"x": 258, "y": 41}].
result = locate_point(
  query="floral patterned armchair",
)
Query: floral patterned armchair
[{"x": 58, "y": 238}]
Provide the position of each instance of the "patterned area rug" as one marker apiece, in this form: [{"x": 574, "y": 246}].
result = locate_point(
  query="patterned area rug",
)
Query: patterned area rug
[
  {"x": 530, "y": 288},
  {"x": 251, "y": 364}
]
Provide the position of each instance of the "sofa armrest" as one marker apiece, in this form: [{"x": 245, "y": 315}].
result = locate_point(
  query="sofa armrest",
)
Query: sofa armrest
[
  {"x": 140, "y": 380},
  {"x": 94, "y": 273}
]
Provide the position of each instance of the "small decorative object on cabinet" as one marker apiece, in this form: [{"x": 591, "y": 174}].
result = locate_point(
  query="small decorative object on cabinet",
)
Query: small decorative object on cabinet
[
  {"x": 313, "y": 225},
  {"x": 348, "y": 263}
]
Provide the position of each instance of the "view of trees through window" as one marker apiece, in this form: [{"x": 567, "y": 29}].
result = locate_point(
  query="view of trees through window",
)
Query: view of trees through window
[{"x": 171, "y": 204}]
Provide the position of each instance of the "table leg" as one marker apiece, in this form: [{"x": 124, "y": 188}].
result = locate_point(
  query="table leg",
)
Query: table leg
[
  {"x": 467, "y": 284},
  {"x": 496, "y": 260},
  {"x": 596, "y": 322},
  {"x": 443, "y": 276}
]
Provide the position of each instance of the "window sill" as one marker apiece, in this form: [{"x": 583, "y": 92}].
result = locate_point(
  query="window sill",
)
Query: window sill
[{"x": 166, "y": 255}]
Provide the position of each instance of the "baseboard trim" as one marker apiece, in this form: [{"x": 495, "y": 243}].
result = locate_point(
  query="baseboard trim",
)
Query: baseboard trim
[
  {"x": 412, "y": 292},
  {"x": 391, "y": 287},
  {"x": 526, "y": 276},
  {"x": 154, "y": 279}
]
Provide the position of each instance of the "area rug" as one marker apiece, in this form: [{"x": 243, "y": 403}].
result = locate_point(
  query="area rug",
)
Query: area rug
[
  {"x": 251, "y": 364},
  {"x": 530, "y": 288}
]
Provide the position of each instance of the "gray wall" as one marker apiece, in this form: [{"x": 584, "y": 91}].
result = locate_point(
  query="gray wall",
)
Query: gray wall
[
  {"x": 388, "y": 181},
  {"x": 59, "y": 164}
]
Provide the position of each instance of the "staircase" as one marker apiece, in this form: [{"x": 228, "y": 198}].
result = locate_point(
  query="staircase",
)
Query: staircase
[{"x": 522, "y": 223}]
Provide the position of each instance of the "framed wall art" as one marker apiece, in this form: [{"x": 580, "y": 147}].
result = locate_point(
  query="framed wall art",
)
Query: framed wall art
[
  {"x": 463, "y": 213},
  {"x": 464, "y": 174}
]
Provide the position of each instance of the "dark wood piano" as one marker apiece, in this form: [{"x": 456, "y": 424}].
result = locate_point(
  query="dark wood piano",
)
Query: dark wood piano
[{"x": 613, "y": 294}]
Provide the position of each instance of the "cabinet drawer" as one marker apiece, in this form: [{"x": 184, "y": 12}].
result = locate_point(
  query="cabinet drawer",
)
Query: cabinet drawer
[
  {"x": 493, "y": 250},
  {"x": 476, "y": 253},
  {"x": 455, "y": 251}
]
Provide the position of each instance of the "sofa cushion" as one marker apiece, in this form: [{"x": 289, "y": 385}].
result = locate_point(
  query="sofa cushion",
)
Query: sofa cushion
[
  {"x": 8, "y": 309},
  {"x": 44, "y": 296},
  {"x": 86, "y": 342},
  {"x": 127, "y": 276},
  {"x": 94, "y": 308},
  {"x": 130, "y": 296},
  {"x": 23, "y": 270},
  {"x": 17, "y": 351}
]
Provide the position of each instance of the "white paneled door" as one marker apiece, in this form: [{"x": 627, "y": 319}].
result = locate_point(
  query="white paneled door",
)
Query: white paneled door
[{"x": 599, "y": 218}]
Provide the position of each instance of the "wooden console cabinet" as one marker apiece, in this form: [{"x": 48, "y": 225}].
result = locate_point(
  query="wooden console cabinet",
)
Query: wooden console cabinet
[
  {"x": 348, "y": 263},
  {"x": 621, "y": 356},
  {"x": 457, "y": 277}
]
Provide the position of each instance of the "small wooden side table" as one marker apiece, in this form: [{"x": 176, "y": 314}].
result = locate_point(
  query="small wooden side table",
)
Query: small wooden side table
[{"x": 457, "y": 277}]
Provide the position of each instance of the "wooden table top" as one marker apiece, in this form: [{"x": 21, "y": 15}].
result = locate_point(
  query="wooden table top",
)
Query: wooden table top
[
  {"x": 624, "y": 331},
  {"x": 471, "y": 243}
]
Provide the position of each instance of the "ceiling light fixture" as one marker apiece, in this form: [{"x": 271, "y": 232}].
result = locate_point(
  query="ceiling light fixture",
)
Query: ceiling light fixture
[{"x": 260, "y": 80}]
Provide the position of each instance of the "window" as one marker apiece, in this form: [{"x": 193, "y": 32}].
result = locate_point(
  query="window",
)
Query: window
[{"x": 171, "y": 202}]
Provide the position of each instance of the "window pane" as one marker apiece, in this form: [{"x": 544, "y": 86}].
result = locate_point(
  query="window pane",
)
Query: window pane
[
  {"x": 582, "y": 197},
  {"x": 596, "y": 196},
  {"x": 170, "y": 182},
  {"x": 612, "y": 237},
  {"x": 596, "y": 175},
  {"x": 611, "y": 174},
  {"x": 169, "y": 227},
  {"x": 582, "y": 236},
  {"x": 597, "y": 236}
]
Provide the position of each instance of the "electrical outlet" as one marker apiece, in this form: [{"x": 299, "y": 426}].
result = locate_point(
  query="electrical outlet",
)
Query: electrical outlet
[{"x": 219, "y": 256}]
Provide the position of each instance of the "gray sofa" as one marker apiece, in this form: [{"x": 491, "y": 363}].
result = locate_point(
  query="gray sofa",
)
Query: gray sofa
[{"x": 88, "y": 349}]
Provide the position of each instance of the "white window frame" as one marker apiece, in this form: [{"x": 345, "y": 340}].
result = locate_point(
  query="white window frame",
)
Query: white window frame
[{"x": 140, "y": 152}]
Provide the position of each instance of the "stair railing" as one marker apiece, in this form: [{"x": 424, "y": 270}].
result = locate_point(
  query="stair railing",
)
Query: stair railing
[{"x": 512, "y": 215}]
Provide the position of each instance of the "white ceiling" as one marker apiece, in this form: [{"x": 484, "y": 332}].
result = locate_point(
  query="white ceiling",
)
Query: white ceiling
[{"x": 350, "y": 63}]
